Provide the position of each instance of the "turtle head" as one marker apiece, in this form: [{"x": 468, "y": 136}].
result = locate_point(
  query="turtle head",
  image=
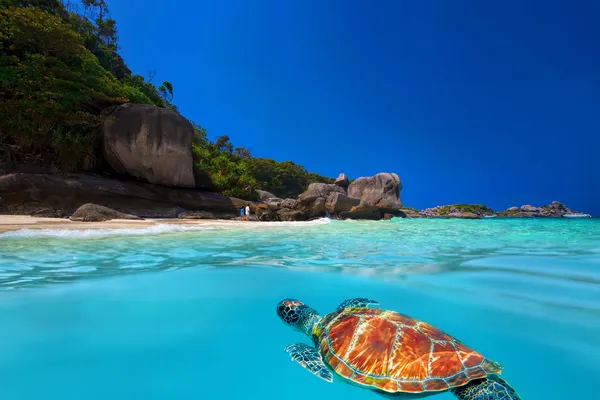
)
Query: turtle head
[{"x": 298, "y": 315}]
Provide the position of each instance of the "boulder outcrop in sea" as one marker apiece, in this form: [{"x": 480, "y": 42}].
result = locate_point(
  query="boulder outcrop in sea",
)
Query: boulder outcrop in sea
[
  {"x": 466, "y": 211},
  {"x": 365, "y": 198},
  {"x": 556, "y": 209},
  {"x": 149, "y": 148}
]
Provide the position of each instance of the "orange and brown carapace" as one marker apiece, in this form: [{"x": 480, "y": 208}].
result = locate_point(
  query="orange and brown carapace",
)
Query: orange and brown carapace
[{"x": 390, "y": 353}]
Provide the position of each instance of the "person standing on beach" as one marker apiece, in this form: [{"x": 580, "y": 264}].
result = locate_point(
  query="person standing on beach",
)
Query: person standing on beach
[{"x": 247, "y": 212}]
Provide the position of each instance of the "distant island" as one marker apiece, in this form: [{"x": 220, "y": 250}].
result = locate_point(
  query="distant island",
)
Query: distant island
[{"x": 83, "y": 137}]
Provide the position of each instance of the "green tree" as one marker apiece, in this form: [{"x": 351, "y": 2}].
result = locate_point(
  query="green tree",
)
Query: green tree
[
  {"x": 224, "y": 144},
  {"x": 53, "y": 90},
  {"x": 166, "y": 91},
  {"x": 242, "y": 152}
]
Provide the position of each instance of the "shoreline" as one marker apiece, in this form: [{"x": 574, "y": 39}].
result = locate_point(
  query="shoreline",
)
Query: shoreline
[
  {"x": 10, "y": 223},
  {"x": 17, "y": 222}
]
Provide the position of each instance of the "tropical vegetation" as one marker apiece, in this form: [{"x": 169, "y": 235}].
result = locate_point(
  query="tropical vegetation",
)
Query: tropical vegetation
[{"x": 60, "y": 68}]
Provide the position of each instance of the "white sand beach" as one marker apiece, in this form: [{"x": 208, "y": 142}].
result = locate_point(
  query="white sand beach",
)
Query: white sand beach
[{"x": 16, "y": 222}]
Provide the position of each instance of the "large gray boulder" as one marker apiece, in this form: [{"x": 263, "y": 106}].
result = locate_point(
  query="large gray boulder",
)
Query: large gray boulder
[
  {"x": 381, "y": 190},
  {"x": 263, "y": 195},
  {"x": 342, "y": 181},
  {"x": 316, "y": 190},
  {"x": 338, "y": 202},
  {"x": 150, "y": 143},
  {"x": 313, "y": 201},
  {"x": 95, "y": 213}
]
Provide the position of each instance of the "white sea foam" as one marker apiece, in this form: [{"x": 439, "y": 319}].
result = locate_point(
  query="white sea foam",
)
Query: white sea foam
[
  {"x": 152, "y": 230},
  {"x": 78, "y": 233},
  {"x": 254, "y": 224}
]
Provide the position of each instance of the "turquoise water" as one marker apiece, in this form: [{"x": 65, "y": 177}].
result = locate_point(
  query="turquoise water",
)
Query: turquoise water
[{"x": 189, "y": 313}]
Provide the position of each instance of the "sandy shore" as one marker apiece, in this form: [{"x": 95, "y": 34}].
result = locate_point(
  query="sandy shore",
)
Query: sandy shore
[{"x": 16, "y": 222}]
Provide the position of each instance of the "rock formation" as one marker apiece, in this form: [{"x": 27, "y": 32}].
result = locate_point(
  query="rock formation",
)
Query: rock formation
[
  {"x": 373, "y": 197},
  {"x": 48, "y": 213},
  {"x": 95, "y": 213},
  {"x": 554, "y": 210},
  {"x": 196, "y": 215},
  {"x": 150, "y": 143},
  {"x": 338, "y": 203},
  {"x": 469, "y": 211},
  {"x": 313, "y": 201},
  {"x": 381, "y": 190},
  {"x": 342, "y": 181},
  {"x": 263, "y": 195},
  {"x": 26, "y": 193}
]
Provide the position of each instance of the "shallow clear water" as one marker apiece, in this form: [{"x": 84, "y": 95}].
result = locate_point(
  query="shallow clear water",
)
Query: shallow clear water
[{"x": 189, "y": 313}]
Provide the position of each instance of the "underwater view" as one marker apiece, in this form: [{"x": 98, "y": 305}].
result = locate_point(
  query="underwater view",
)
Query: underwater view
[{"x": 189, "y": 312}]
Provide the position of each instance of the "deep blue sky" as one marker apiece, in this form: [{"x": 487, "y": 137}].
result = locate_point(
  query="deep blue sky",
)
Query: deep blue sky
[{"x": 467, "y": 101}]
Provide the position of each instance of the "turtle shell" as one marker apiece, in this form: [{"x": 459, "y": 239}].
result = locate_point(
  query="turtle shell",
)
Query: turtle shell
[{"x": 392, "y": 352}]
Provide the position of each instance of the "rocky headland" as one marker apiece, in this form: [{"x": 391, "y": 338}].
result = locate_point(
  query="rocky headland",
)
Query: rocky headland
[
  {"x": 149, "y": 152},
  {"x": 475, "y": 211}
]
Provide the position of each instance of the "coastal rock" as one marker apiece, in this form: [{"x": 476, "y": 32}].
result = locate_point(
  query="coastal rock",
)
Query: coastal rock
[
  {"x": 313, "y": 200},
  {"x": 468, "y": 211},
  {"x": 48, "y": 213},
  {"x": 528, "y": 208},
  {"x": 463, "y": 214},
  {"x": 381, "y": 190},
  {"x": 196, "y": 215},
  {"x": 338, "y": 202},
  {"x": 269, "y": 214},
  {"x": 25, "y": 193},
  {"x": 150, "y": 143},
  {"x": 289, "y": 203},
  {"x": 361, "y": 212},
  {"x": 554, "y": 210},
  {"x": 263, "y": 195},
  {"x": 411, "y": 213},
  {"x": 318, "y": 206},
  {"x": 316, "y": 190},
  {"x": 559, "y": 207},
  {"x": 387, "y": 216},
  {"x": 292, "y": 215},
  {"x": 365, "y": 211},
  {"x": 342, "y": 181},
  {"x": 288, "y": 209},
  {"x": 96, "y": 213}
]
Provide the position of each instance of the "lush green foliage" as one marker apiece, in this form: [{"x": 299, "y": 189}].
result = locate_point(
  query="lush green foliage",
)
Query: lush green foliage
[
  {"x": 410, "y": 209},
  {"x": 472, "y": 208},
  {"x": 234, "y": 172},
  {"x": 58, "y": 70}
]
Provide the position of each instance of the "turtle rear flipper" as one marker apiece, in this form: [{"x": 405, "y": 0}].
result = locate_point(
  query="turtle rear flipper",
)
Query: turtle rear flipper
[
  {"x": 310, "y": 359},
  {"x": 491, "y": 388}
]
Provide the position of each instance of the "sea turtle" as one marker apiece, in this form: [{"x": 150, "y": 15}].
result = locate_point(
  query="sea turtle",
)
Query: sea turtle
[{"x": 390, "y": 353}]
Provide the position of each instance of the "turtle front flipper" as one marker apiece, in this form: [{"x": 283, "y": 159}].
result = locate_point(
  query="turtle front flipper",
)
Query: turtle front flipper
[
  {"x": 310, "y": 359},
  {"x": 358, "y": 302},
  {"x": 491, "y": 388}
]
